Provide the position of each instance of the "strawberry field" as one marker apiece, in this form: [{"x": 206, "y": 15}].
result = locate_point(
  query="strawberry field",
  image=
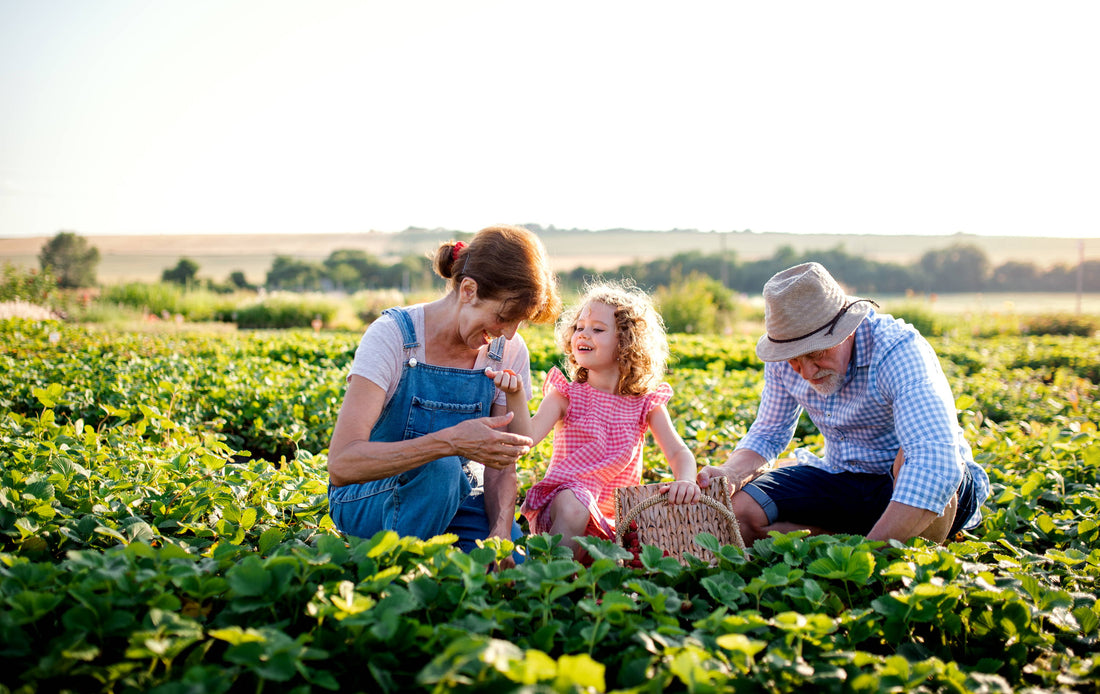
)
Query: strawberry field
[{"x": 163, "y": 528}]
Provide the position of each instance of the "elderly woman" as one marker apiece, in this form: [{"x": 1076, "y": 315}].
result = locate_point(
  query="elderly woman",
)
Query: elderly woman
[{"x": 421, "y": 405}]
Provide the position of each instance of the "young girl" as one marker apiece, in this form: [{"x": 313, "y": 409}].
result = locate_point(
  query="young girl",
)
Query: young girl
[{"x": 615, "y": 348}]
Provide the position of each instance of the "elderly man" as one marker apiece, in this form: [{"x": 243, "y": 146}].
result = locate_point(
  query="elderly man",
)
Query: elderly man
[{"x": 895, "y": 463}]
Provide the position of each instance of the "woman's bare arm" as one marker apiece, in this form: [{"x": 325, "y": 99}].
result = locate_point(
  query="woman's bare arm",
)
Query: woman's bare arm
[{"x": 354, "y": 458}]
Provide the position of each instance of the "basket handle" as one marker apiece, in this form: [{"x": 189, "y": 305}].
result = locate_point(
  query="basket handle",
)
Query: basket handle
[{"x": 722, "y": 509}]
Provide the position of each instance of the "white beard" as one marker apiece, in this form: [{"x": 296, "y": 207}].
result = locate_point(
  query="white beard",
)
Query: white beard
[{"x": 830, "y": 385}]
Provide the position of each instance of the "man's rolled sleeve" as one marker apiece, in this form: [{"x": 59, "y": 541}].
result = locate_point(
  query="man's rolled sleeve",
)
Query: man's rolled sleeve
[{"x": 927, "y": 427}]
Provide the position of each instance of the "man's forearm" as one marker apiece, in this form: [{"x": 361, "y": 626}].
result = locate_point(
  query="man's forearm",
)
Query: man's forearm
[
  {"x": 901, "y": 522},
  {"x": 743, "y": 466}
]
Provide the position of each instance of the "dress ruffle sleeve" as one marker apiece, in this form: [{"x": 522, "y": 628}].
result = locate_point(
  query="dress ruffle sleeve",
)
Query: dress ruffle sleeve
[
  {"x": 556, "y": 379},
  {"x": 657, "y": 398}
]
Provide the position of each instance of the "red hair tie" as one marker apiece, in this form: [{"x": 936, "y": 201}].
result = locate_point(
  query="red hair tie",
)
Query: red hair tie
[{"x": 458, "y": 247}]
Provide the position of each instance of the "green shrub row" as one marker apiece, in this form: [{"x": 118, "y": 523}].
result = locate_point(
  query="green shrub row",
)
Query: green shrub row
[{"x": 144, "y": 548}]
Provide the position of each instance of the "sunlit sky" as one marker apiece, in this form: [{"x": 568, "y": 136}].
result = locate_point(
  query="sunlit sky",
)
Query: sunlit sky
[{"x": 217, "y": 116}]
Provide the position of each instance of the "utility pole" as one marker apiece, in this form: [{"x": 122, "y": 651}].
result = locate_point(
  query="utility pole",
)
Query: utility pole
[
  {"x": 1080, "y": 272},
  {"x": 724, "y": 271}
]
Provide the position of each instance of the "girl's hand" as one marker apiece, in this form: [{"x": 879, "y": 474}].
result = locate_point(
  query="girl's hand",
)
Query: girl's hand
[
  {"x": 506, "y": 379},
  {"x": 681, "y": 492}
]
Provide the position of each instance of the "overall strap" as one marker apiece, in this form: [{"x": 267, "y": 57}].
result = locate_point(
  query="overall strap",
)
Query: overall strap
[
  {"x": 405, "y": 323},
  {"x": 496, "y": 348}
]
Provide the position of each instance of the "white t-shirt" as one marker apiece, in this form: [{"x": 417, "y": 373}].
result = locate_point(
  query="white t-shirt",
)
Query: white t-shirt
[{"x": 381, "y": 354}]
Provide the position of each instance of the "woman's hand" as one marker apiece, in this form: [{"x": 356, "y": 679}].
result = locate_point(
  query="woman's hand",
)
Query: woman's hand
[
  {"x": 681, "y": 492},
  {"x": 485, "y": 440},
  {"x": 505, "y": 379}
]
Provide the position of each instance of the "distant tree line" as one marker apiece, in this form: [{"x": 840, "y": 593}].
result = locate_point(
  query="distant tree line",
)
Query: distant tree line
[
  {"x": 695, "y": 290},
  {"x": 350, "y": 271},
  {"x": 957, "y": 268}
]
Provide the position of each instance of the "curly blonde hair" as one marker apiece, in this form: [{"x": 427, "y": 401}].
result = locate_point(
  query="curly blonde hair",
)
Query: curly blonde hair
[{"x": 643, "y": 346}]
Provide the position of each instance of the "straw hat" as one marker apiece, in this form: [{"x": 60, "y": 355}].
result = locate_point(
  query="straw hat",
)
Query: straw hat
[{"x": 806, "y": 310}]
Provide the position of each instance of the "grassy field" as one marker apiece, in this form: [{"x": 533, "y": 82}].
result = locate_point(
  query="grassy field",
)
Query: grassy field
[
  {"x": 1000, "y": 304},
  {"x": 144, "y": 258}
]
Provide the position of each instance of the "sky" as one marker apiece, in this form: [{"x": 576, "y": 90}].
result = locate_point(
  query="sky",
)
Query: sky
[{"x": 223, "y": 116}]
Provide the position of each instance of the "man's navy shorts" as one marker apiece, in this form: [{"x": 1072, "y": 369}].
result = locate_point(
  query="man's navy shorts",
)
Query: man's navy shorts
[{"x": 839, "y": 502}]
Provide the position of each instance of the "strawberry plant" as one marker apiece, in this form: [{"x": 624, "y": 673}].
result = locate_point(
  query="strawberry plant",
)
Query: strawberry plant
[{"x": 163, "y": 527}]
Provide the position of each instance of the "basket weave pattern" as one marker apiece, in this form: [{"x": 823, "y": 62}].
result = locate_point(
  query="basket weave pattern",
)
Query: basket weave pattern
[{"x": 673, "y": 527}]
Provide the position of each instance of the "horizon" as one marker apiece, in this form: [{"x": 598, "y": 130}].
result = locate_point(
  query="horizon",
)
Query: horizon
[
  {"x": 554, "y": 229},
  {"x": 247, "y": 117}
]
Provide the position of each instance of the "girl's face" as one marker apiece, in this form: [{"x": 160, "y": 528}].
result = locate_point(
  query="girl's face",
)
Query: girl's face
[{"x": 595, "y": 342}]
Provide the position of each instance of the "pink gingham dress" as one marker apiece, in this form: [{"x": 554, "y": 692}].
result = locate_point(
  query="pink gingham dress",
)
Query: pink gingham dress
[{"x": 597, "y": 449}]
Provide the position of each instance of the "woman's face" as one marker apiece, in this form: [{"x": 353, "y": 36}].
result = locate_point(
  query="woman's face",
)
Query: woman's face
[
  {"x": 595, "y": 342},
  {"x": 482, "y": 320}
]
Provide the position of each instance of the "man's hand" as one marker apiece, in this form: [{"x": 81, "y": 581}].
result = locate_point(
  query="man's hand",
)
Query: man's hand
[
  {"x": 740, "y": 468},
  {"x": 710, "y": 472}
]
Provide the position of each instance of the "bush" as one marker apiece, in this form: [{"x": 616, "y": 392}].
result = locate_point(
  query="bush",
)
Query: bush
[
  {"x": 370, "y": 303},
  {"x": 287, "y": 311},
  {"x": 166, "y": 299},
  {"x": 26, "y": 284},
  {"x": 156, "y": 298},
  {"x": 920, "y": 317},
  {"x": 1058, "y": 324},
  {"x": 69, "y": 257},
  {"x": 698, "y": 305}
]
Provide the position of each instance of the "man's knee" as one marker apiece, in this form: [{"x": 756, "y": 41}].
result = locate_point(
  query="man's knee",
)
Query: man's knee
[{"x": 750, "y": 516}]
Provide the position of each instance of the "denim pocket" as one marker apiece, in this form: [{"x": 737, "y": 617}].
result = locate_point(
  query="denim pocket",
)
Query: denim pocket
[{"x": 428, "y": 416}]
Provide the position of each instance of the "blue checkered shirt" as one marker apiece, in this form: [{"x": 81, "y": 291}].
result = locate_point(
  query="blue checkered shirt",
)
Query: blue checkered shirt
[{"x": 895, "y": 395}]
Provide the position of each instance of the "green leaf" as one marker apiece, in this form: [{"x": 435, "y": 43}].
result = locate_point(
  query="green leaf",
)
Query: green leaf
[
  {"x": 50, "y": 395},
  {"x": 1088, "y": 620},
  {"x": 965, "y": 402},
  {"x": 249, "y": 577},
  {"x": 1045, "y": 523},
  {"x": 236, "y": 635},
  {"x": 844, "y": 563},
  {"x": 581, "y": 671},
  {"x": 537, "y": 667},
  {"x": 742, "y": 645},
  {"x": 382, "y": 542},
  {"x": 248, "y": 518},
  {"x": 726, "y": 588},
  {"x": 708, "y": 542},
  {"x": 29, "y": 606},
  {"x": 269, "y": 539}
]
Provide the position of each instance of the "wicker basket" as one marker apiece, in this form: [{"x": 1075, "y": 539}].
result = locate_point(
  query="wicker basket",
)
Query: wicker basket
[{"x": 673, "y": 527}]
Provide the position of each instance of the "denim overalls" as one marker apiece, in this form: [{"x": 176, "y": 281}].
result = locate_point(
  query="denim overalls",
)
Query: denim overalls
[{"x": 440, "y": 496}]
